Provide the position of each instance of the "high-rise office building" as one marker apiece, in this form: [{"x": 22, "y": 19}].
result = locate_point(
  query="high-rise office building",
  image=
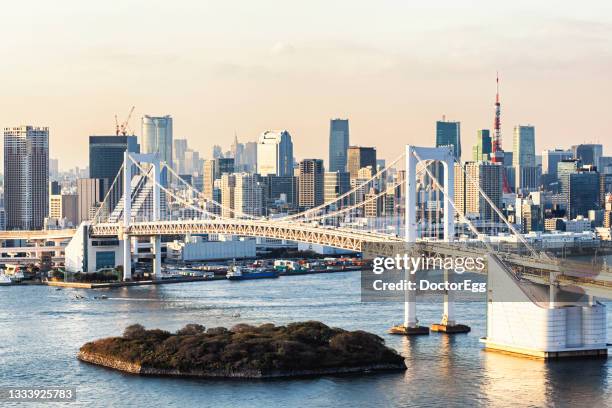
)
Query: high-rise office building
[
  {"x": 336, "y": 184},
  {"x": 227, "y": 186},
  {"x": 157, "y": 137},
  {"x": 106, "y": 155},
  {"x": 311, "y": 183},
  {"x": 524, "y": 146},
  {"x": 55, "y": 188},
  {"x": 481, "y": 151},
  {"x": 338, "y": 144},
  {"x": 248, "y": 194},
  {"x": 208, "y": 175},
  {"x": 588, "y": 154},
  {"x": 106, "y": 159},
  {"x": 485, "y": 176},
  {"x": 550, "y": 159},
  {"x": 26, "y": 176},
  {"x": 275, "y": 153},
  {"x": 447, "y": 134},
  {"x": 53, "y": 168},
  {"x": 580, "y": 187},
  {"x": 280, "y": 189},
  {"x": 359, "y": 157},
  {"x": 178, "y": 155},
  {"x": 224, "y": 165},
  {"x": 527, "y": 178},
  {"x": 249, "y": 159}
]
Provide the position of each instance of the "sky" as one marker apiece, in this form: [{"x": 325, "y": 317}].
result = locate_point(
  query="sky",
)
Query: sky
[{"x": 223, "y": 67}]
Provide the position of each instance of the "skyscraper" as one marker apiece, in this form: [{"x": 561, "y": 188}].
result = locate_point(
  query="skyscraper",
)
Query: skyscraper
[
  {"x": 178, "y": 152},
  {"x": 336, "y": 184},
  {"x": 106, "y": 159},
  {"x": 106, "y": 155},
  {"x": 311, "y": 183},
  {"x": 249, "y": 160},
  {"x": 275, "y": 153},
  {"x": 26, "y": 176},
  {"x": 481, "y": 151},
  {"x": 580, "y": 187},
  {"x": 447, "y": 134},
  {"x": 359, "y": 157},
  {"x": 588, "y": 154},
  {"x": 248, "y": 194},
  {"x": 485, "y": 176},
  {"x": 524, "y": 146},
  {"x": 157, "y": 137},
  {"x": 550, "y": 159},
  {"x": 338, "y": 144}
]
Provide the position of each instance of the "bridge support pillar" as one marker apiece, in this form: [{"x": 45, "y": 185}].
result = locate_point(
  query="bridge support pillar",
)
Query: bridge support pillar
[
  {"x": 156, "y": 250},
  {"x": 127, "y": 257},
  {"x": 410, "y": 326},
  {"x": 448, "y": 323}
]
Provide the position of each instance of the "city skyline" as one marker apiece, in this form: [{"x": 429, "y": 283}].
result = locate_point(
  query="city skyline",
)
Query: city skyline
[{"x": 216, "y": 79}]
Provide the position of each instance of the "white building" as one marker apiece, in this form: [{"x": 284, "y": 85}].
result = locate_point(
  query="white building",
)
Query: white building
[{"x": 275, "y": 153}]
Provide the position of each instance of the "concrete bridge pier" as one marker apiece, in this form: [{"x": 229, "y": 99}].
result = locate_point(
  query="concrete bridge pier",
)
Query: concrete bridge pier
[
  {"x": 410, "y": 326},
  {"x": 156, "y": 250},
  {"x": 448, "y": 323},
  {"x": 127, "y": 257}
]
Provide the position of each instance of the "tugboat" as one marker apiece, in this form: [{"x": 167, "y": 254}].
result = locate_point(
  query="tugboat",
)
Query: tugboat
[{"x": 237, "y": 273}]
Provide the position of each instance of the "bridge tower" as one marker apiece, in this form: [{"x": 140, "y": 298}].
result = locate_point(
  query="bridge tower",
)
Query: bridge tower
[
  {"x": 154, "y": 161},
  {"x": 444, "y": 155}
]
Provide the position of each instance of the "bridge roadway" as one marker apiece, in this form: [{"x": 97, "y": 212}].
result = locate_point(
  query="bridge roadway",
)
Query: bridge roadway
[
  {"x": 343, "y": 238},
  {"x": 37, "y": 235}
]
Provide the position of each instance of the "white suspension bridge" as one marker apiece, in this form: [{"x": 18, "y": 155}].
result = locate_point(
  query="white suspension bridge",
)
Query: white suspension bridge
[{"x": 401, "y": 208}]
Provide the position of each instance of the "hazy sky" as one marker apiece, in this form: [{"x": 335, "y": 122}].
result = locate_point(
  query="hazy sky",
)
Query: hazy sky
[{"x": 391, "y": 67}]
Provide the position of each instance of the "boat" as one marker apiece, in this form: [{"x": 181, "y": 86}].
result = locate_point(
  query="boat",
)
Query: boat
[
  {"x": 237, "y": 273},
  {"x": 5, "y": 280}
]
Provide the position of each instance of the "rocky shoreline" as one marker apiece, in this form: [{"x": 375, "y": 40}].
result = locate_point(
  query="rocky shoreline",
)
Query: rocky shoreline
[
  {"x": 248, "y": 352},
  {"x": 137, "y": 369}
]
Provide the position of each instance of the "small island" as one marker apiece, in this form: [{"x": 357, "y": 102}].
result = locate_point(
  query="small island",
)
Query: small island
[{"x": 244, "y": 351}]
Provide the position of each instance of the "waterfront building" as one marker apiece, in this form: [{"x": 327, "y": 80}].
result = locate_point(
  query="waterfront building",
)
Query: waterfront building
[
  {"x": 338, "y": 144},
  {"x": 26, "y": 176}
]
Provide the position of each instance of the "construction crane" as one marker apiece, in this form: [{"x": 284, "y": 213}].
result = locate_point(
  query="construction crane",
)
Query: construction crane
[{"x": 122, "y": 129}]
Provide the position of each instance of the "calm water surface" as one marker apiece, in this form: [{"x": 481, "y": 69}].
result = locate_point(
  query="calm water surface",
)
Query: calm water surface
[{"x": 41, "y": 330}]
